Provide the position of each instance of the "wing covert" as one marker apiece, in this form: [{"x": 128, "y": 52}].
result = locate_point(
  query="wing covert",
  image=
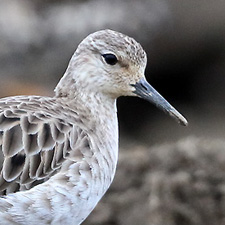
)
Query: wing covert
[{"x": 33, "y": 147}]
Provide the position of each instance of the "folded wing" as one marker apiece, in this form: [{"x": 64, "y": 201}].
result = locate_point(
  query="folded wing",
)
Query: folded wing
[{"x": 33, "y": 146}]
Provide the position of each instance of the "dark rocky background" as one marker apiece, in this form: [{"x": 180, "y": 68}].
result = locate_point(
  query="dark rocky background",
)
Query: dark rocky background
[{"x": 167, "y": 174}]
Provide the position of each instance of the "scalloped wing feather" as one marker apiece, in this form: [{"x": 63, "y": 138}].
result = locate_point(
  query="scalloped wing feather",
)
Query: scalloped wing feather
[{"x": 33, "y": 144}]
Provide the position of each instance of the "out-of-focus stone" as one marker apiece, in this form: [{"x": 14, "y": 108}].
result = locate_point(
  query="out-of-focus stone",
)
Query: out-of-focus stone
[{"x": 179, "y": 184}]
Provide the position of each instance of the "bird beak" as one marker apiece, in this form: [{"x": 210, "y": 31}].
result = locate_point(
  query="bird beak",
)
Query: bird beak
[{"x": 144, "y": 90}]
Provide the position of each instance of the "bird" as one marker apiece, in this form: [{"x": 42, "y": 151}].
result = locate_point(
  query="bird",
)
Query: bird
[{"x": 59, "y": 154}]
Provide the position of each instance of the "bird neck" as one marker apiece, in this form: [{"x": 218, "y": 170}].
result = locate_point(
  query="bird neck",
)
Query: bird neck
[
  {"x": 98, "y": 115},
  {"x": 97, "y": 111}
]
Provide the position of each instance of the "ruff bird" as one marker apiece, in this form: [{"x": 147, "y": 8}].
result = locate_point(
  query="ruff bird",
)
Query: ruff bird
[{"x": 59, "y": 154}]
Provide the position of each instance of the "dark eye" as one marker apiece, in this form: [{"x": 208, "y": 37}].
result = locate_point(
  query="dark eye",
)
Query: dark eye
[{"x": 110, "y": 59}]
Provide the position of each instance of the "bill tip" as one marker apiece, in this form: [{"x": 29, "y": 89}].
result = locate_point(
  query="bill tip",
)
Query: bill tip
[{"x": 183, "y": 122}]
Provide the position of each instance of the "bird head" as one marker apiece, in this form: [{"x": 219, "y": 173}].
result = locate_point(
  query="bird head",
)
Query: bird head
[{"x": 113, "y": 64}]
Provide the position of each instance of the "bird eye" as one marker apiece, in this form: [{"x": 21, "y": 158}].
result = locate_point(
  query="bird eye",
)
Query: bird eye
[{"x": 110, "y": 59}]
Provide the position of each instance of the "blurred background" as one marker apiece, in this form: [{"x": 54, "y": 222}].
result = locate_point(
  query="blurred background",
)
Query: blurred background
[{"x": 167, "y": 174}]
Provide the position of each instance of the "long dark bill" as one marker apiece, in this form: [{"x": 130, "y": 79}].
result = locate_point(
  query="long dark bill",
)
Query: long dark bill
[{"x": 144, "y": 90}]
